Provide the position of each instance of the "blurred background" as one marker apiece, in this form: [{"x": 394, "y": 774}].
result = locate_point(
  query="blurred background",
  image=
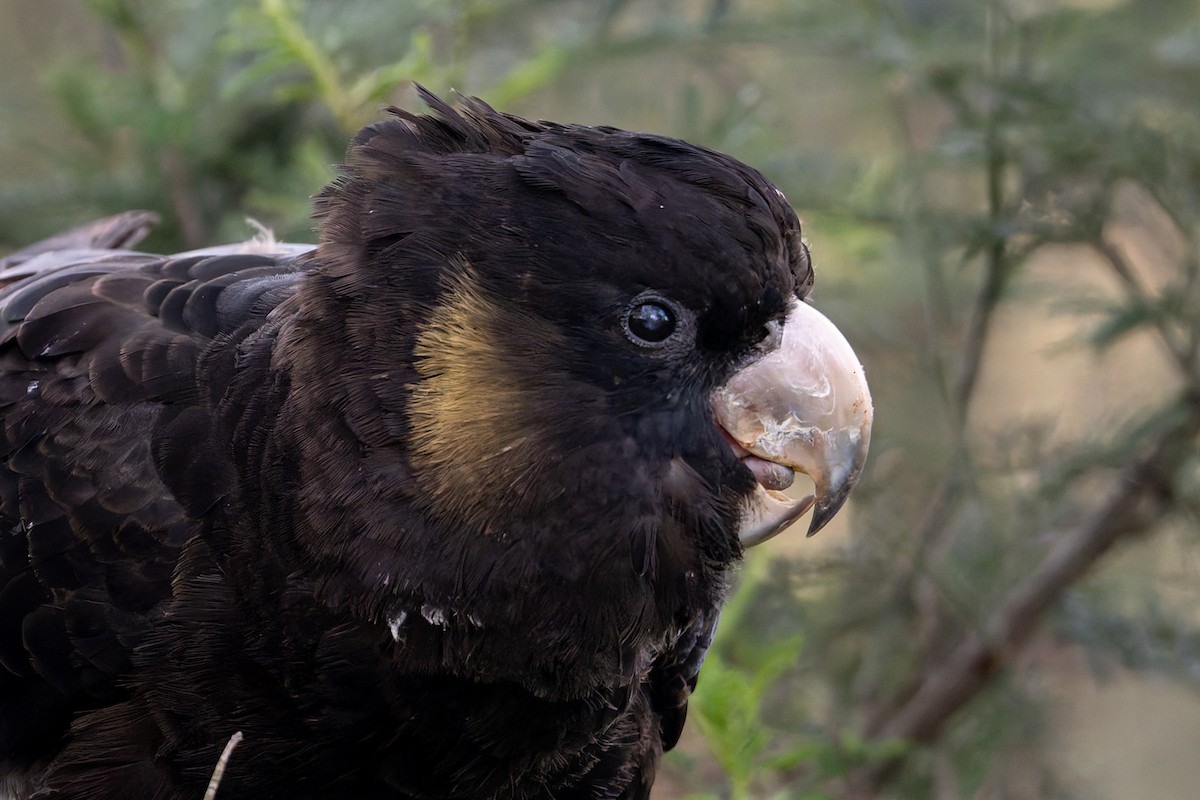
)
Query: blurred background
[{"x": 1003, "y": 202}]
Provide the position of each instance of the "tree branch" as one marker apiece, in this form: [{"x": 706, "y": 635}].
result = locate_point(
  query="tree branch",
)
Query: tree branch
[{"x": 1135, "y": 500}]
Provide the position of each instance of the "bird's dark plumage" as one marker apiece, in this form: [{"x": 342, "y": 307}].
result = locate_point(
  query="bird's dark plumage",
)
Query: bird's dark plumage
[{"x": 424, "y": 512}]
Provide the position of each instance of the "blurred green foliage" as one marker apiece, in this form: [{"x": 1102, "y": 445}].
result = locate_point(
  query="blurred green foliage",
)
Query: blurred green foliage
[{"x": 966, "y": 169}]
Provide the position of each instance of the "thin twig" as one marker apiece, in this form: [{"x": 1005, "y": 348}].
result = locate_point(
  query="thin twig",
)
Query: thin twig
[
  {"x": 997, "y": 261},
  {"x": 1181, "y": 352}
]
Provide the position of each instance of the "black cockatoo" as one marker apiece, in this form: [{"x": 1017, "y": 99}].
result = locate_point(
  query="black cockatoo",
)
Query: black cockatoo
[{"x": 444, "y": 506}]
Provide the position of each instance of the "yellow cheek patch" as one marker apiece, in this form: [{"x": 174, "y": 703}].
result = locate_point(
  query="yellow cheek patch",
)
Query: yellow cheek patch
[{"x": 478, "y": 412}]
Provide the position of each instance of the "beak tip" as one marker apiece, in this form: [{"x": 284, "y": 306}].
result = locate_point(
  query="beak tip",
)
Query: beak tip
[
  {"x": 830, "y": 503},
  {"x": 821, "y": 516}
]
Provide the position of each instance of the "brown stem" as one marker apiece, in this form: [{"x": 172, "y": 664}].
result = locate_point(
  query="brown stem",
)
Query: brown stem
[
  {"x": 997, "y": 267},
  {"x": 180, "y": 188}
]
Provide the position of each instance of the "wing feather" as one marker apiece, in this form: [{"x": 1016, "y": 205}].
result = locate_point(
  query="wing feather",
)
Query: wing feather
[{"x": 108, "y": 451}]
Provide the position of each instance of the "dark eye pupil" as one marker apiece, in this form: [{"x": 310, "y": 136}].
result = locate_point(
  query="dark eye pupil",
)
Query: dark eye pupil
[{"x": 651, "y": 322}]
